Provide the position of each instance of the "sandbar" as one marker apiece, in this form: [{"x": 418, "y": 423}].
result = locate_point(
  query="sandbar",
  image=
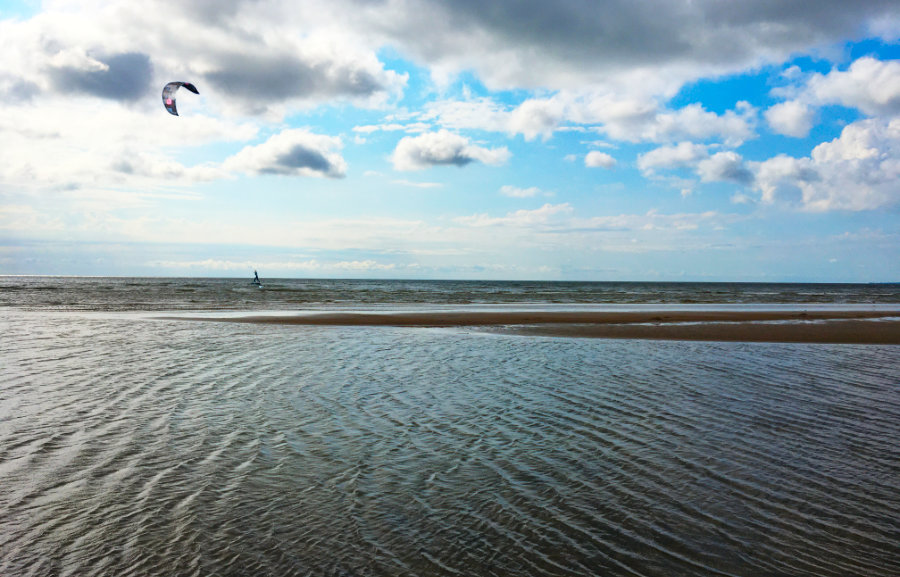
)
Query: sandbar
[{"x": 814, "y": 326}]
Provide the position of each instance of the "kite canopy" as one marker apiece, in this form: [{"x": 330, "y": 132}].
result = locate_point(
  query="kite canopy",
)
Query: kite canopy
[{"x": 168, "y": 94}]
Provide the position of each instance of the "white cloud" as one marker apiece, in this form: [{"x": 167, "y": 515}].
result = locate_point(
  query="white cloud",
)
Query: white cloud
[
  {"x": 23, "y": 219},
  {"x": 519, "y": 218},
  {"x": 388, "y": 127},
  {"x": 536, "y": 117},
  {"x": 478, "y": 113},
  {"x": 724, "y": 166},
  {"x": 639, "y": 119},
  {"x": 683, "y": 155},
  {"x": 410, "y": 128},
  {"x": 695, "y": 122},
  {"x": 857, "y": 171},
  {"x": 782, "y": 177},
  {"x": 83, "y": 145},
  {"x": 418, "y": 184},
  {"x": 516, "y": 192},
  {"x": 870, "y": 85},
  {"x": 443, "y": 148},
  {"x": 618, "y": 116},
  {"x": 597, "y": 159},
  {"x": 293, "y": 152},
  {"x": 559, "y": 228},
  {"x": 792, "y": 118},
  {"x": 721, "y": 166}
]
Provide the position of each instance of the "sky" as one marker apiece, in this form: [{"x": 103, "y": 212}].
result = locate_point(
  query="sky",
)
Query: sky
[{"x": 664, "y": 140}]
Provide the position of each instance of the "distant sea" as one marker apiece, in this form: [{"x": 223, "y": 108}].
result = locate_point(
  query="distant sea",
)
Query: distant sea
[
  {"x": 204, "y": 294},
  {"x": 133, "y": 445}
]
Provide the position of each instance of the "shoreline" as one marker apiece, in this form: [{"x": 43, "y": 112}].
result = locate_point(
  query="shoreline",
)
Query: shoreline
[{"x": 814, "y": 326}]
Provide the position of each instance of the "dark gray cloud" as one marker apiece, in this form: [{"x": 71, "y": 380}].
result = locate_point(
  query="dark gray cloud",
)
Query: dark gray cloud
[
  {"x": 215, "y": 11},
  {"x": 292, "y": 152},
  {"x": 299, "y": 157},
  {"x": 649, "y": 30},
  {"x": 128, "y": 76},
  {"x": 428, "y": 157},
  {"x": 735, "y": 173},
  {"x": 725, "y": 166},
  {"x": 267, "y": 79},
  {"x": 575, "y": 28},
  {"x": 539, "y": 40}
]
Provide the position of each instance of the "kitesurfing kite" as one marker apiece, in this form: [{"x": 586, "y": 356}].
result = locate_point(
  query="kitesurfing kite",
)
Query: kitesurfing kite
[{"x": 168, "y": 94}]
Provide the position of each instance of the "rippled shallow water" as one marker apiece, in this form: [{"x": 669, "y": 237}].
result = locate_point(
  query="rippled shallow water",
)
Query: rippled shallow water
[{"x": 131, "y": 446}]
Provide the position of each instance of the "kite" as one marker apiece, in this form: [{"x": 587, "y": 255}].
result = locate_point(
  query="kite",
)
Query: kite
[{"x": 168, "y": 94}]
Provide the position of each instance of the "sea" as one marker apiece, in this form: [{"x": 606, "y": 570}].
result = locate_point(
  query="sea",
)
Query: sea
[{"x": 135, "y": 442}]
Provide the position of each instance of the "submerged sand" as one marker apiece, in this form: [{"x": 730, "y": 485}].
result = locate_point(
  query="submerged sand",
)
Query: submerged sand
[{"x": 818, "y": 326}]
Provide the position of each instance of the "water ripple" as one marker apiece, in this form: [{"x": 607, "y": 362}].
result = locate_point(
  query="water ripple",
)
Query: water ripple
[{"x": 154, "y": 447}]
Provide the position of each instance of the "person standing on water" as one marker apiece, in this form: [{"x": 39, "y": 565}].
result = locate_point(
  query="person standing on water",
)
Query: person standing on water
[{"x": 255, "y": 277}]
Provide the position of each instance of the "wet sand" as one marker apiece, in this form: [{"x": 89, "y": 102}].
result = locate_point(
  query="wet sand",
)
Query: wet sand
[{"x": 858, "y": 327}]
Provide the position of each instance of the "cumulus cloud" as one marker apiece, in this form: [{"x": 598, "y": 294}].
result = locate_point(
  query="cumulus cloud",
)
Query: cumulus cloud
[
  {"x": 683, "y": 155},
  {"x": 259, "y": 78},
  {"x": 533, "y": 118},
  {"x": 783, "y": 178},
  {"x": 536, "y": 117},
  {"x": 724, "y": 166},
  {"x": 640, "y": 119},
  {"x": 117, "y": 77},
  {"x": 721, "y": 166},
  {"x": 443, "y": 148},
  {"x": 85, "y": 147},
  {"x": 620, "y": 117},
  {"x": 579, "y": 44},
  {"x": 134, "y": 163},
  {"x": 266, "y": 54},
  {"x": 869, "y": 84},
  {"x": 857, "y": 171},
  {"x": 294, "y": 152},
  {"x": 695, "y": 122},
  {"x": 597, "y": 159},
  {"x": 252, "y": 61},
  {"x": 792, "y": 118}
]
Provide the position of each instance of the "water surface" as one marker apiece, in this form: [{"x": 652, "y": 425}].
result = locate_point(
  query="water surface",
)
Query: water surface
[{"x": 132, "y": 446}]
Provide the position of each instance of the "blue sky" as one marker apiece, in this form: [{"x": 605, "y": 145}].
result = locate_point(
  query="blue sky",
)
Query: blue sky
[{"x": 701, "y": 140}]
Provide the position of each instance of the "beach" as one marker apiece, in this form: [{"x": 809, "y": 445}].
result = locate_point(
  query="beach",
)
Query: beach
[{"x": 817, "y": 326}]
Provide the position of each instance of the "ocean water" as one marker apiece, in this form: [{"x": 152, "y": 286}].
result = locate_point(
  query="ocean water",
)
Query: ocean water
[
  {"x": 131, "y": 445},
  {"x": 173, "y": 294}
]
